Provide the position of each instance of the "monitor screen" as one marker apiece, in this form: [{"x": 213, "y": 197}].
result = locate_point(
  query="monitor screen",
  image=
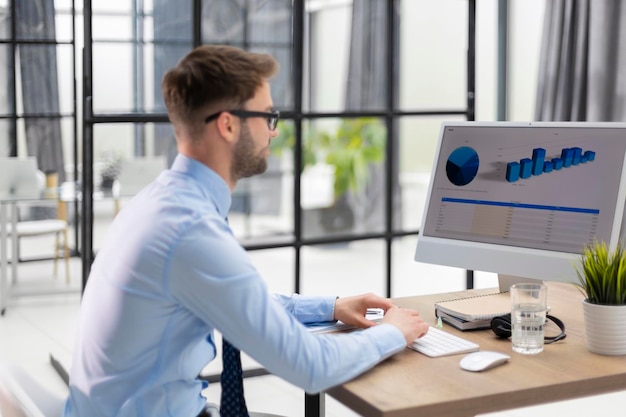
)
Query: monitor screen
[
  {"x": 523, "y": 199},
  {"x": 19, "y": 178}
]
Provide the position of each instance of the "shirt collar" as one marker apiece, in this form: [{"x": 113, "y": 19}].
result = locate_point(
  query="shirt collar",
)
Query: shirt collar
[{"x": 213, "y": 186}]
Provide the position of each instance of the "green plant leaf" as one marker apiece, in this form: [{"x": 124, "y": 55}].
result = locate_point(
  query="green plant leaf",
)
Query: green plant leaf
[
  {"x": 351, "y": 149},
  {"x": 602, "y": 274}
]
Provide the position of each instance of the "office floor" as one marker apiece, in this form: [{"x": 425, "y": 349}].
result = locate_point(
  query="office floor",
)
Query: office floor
[{"x": 35, "y": 327}]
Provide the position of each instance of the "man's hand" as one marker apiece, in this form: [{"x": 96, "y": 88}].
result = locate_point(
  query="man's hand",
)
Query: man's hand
[
  {"x": 351, "y": 310},
  {"x": 408, "y": 321}
]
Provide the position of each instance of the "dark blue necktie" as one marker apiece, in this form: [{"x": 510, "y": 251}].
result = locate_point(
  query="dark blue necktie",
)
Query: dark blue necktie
[{"x": 232, "y": 402}]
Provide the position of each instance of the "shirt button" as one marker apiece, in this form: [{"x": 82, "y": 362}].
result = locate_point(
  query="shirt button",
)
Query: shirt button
[{"x": 318, "y": 318}]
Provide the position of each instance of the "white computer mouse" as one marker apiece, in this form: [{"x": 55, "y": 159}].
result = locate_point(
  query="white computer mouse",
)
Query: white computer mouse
[{"x": 483, "y": 360}]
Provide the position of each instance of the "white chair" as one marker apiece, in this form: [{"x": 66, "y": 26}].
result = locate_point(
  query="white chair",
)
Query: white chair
[
  {"x": 57, "y": 227},
  {"x": 20, "y": 182},
  {"x": 135, "y": 174},
  {"x": 22, "y": 396}
]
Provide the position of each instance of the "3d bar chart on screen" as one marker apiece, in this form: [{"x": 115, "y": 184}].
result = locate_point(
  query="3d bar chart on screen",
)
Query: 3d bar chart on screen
[{"x": 538, "y": 164}]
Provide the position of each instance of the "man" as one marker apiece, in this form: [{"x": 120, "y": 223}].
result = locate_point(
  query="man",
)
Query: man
[{"x": 170, "y": 271}]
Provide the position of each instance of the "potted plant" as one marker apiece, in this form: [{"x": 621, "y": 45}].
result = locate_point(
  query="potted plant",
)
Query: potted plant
[
  {"x": 350, "y": 151},
  {"x": 602, "y": 280},
  {"x": 111, "y": 163}
]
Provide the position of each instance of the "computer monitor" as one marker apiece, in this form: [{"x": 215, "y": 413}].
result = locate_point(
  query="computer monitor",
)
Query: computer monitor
[
  {"x": 523, "y": 199},
  {"x": 19, "y": 178}
]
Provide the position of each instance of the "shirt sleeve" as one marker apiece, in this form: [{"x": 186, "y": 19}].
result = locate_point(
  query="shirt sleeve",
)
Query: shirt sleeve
[
  {"x": 307, "y": 309},
  {"x": 213, "y": 277}
]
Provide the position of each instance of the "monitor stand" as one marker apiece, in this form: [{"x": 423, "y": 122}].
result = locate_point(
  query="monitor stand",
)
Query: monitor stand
[{"x": 505, "y": 281}]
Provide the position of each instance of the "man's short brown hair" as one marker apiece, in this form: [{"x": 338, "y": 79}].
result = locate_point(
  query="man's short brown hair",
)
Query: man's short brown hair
[{"x": 213, "y": 78}]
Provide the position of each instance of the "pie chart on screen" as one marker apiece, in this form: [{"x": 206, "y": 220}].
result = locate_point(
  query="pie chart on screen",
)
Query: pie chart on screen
[{"x": 462, "y": 166}]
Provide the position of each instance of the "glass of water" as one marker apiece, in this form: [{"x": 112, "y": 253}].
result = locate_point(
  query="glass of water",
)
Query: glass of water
[{"x": 528, "y": 317}]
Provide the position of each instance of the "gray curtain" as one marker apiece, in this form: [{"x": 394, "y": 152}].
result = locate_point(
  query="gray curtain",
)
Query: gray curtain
[
  {"x": 368, "y": 44},
  {"x": 582, "y": 74},
  {"x": 40, "y": 89},
  {"x": 367, "y": 90}
]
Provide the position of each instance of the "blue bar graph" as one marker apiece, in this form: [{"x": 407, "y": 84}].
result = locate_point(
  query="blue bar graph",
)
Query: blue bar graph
[
  {"x": 547, "y": 166},
  {"x": 539, "y": 156},
  {"x": 526, "y": 168},
  {"x": 512, "y": 171},
  {"x": 538, "y": 164},
  {"x": 558, "y": 163},
  {"x": 576, "y": 157},
  {"x": 589, "y": 155},
  {"x": 567, "y": 155}
]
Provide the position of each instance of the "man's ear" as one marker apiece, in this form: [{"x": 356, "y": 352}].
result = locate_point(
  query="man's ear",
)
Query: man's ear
[{"x": 228, "y": 126}]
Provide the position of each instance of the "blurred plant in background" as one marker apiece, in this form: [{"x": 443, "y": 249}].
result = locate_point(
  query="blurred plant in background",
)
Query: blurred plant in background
[{"x": 350, "y": 150}]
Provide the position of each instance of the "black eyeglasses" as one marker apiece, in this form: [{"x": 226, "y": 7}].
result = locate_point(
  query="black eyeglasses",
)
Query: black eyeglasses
[{"x": 272, "y": 117}]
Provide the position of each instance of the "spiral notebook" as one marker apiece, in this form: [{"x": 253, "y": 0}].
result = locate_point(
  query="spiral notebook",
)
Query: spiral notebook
[{"x": 476, "y": 308}]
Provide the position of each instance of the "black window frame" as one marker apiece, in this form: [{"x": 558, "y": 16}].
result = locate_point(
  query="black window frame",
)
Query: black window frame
[{"x": 390, "y": 114}]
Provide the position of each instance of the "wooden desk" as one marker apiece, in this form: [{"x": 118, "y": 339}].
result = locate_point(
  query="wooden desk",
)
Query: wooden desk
[{"x": 411, "y": 384}]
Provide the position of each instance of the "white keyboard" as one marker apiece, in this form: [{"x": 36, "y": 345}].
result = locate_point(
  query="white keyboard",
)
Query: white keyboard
[{"x": 438, "y": 343}]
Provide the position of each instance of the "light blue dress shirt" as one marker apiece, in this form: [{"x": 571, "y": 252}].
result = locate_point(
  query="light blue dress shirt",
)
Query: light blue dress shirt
[{"x": 170, "y": 272}]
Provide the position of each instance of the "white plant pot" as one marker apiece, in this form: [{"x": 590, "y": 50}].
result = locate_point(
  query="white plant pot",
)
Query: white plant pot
[{"x": 605, "y": 328}]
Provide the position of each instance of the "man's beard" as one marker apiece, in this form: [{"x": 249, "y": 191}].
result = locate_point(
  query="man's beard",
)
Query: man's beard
[{"x": 246, "y": 160}]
